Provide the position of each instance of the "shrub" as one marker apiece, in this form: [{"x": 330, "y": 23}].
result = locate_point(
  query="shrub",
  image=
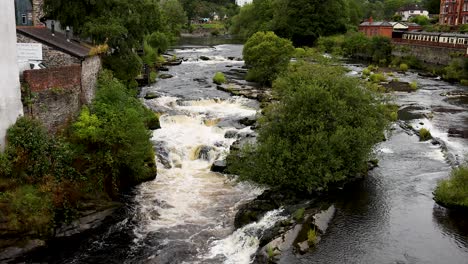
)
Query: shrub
[
  {"x": 299, "y": 214},
  {"x": 158, "y": 41},
  {"x": 464, "y": 82},
  {"x": 393, "y": 116},
  {"x": 377, "y": 77},
  {"x": 152, "y": 76},
  {"x": 312, "y": 237},
  {"x": 267, "y": 55},
  {"x": 116, "y": 149},
  {"x": 403, "y": 67},
  {"x": 453, "y": 192},
  {"x": 414, "y": 85},
  {"x": 321, "y": 131},
  {"x": 219, "y": 78},
  {"x": 366, "y": 72},
  {"x": 424, "y": 134}
]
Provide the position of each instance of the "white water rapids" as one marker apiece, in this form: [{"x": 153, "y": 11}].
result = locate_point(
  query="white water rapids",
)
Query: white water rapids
[{"x": 189, "y": 209}]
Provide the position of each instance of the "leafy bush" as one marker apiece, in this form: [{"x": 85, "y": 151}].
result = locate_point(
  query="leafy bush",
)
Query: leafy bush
[
  {"x": 152, "y": 76},
  {"x": 424, "y": 134},
  {"x": 366, "y": 72},
  {"x": 299, "y": 214},
  {"x": 403, "y": 67},
  {"x": 219, "y": 78},
  {"x": 322, "y": 131},
  {"x": 158, "y": 41},
  {"x": 117, "y": 151},
  {"x": 126, "y": 66},
  {"x": 414, "y": 85},
  {"x": 27, "y": 210},
  {"x": 377, "y": 49},
  {"x": 377, "y": 77},
  {"x": 453, "y": 192},
  {"x": 267, "y": 55}
]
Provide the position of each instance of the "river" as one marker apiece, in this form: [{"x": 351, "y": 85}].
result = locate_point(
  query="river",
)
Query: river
[{"x": 186, "y": 214}]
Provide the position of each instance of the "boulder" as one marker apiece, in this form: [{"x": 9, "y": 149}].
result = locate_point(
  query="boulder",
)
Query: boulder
[
  {"x": 230, "y": 134},
  {"x": 219, "y": 166},
  {"x": 151, "y": 95},
  {"x": 165, "y": 76},
  {"x": 205, "y": 58}
]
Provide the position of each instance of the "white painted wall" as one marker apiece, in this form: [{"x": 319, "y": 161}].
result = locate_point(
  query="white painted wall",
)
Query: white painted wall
[
  {"x": 243, "y": 2},
  {"x": 10, "y": 95}
]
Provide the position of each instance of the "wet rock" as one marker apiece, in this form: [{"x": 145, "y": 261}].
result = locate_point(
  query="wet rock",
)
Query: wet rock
[
  {"x": 398, "y": 86},
  {"x": 427, "y": 74},
  {"x": 205, "y": 58},
  {"x": 458, "y": 132},
  {"x": 201, "y": 80},
  {"x": 10, "y": 254},
  {"x": 219, "y": 166},
  {"x": 163, "y": 69},
  {"x": 151, "y": 95},
  {"x": 90, "y": 221},
  {"x": 231, "y": 58},
  {"x": 248, "y": 121},
  {"x": 303, "y": 247},
  {"x": 203, "y": 152},
  {"x": 165, "y": 76},
  {"x": 240, "y": 143},
  {"x": 162, "y": 153},
  {"x": 230, "y": 134}
]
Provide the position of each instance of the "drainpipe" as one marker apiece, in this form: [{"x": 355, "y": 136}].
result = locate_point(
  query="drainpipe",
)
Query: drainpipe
[
  {"x": 52, "y": 27},
  {"x": 67, "y": 33}
]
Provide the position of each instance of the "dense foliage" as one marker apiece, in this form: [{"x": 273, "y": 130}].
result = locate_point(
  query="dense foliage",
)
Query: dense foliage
[
  {"x": 267, "y": 55},
  {"x": 322, "y": 131},
  {"x": 121, "y": 24},
  {"x": 44, "y": 179},
  {"x": 453, "y": 192}
]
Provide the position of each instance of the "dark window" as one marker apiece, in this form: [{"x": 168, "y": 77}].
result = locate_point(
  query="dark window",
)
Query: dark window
[{"x": 23, "y": 19}]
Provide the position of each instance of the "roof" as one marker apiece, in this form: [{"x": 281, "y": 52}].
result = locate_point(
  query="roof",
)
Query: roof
[
  {"x": 376, "y": 24},
  {"x": 412, "y": 24},
  {"x": 411, "y": 7},
  {"x": 58, "y": 41}
]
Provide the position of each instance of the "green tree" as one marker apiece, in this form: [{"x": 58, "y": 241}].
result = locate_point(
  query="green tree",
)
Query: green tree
[
  {"x": 267, "y": 55},
  {"x": 322, "y": 131},
  {"x": 421, "y": 20},
  {"x": 173, "y": 17}
]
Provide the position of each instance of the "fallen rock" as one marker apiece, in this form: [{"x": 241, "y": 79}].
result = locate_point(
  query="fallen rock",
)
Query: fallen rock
[
  {"x": 151, "y": 95},
  {"x": 205, "y": 58},
  {"x": 230, "y": 134}
]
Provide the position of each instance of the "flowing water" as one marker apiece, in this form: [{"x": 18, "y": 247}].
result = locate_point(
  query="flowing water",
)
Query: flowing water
[{"x": 186, "y": 215}]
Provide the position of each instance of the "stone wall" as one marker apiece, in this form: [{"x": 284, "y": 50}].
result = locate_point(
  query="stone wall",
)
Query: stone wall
[
  {"x": 427, "y": 54},
  {"x": 51, "y": 56},
  {"x": 38, "y": 11},
  {"x": 89, "y": 75},
  {"x": 53, "y": 95}
]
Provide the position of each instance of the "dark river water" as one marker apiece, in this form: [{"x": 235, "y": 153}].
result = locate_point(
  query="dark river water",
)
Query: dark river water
[{"x": 186, "y": 215}]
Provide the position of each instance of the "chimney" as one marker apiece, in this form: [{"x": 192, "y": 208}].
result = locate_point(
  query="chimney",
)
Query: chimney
[
  {"x": 371, "y": 20},
  {"x": 67, "y": 33},
  {"x": 52, "y": 27}
]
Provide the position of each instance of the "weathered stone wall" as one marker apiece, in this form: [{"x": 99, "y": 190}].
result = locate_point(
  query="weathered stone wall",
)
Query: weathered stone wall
[
  {"x": 89, "y": 75},
  {"x": 427, "y": 54},
  {"x": 38, "y": 12},
  {"x": 51, "y": 57},
  {"x": 53, "y": 95}
]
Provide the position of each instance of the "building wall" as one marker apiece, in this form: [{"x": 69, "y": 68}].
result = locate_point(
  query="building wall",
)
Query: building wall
[
  {"x": 10, "y": 95},
  {"x": 53, "y": 95},
  {"x": 371, "y": 31},
  {"x": 89, "y": 75},
  {"x": 51, "y": 56},
  {"x": 433, "y": 55}
]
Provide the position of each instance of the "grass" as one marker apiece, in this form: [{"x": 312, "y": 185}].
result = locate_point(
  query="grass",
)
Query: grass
[
  {"x": 366, "y": 72},
  {"x": 377, "y": 77},
  {"x": 299, "y": 214},
  {"x": 312, "y": 237},
  {"x": 414, "y": 86},
  {"x": 404, "y": 67},
  {"x": 424, "y": 134},
  {"x": 219, "y": 78},
  {"x": 453, "y": 192},
  {"x": 270, "y": 252}
]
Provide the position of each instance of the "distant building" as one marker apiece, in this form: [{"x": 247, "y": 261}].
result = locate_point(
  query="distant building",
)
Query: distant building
[
  {"x": 412, "y": 10},
  {"x": 243, "y": 2},
  {"x": 383, "y": 28},
  {"x": 453, "y": 12},
  {"x": 29, "y": 12},
  {"x": 378, "y": 28}
]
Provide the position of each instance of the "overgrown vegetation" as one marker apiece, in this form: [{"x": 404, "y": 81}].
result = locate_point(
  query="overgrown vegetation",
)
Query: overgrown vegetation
[
  {"x": 267, "y": 55},
  {"x": 312, "y": 237},
  {"x": 219, "y": 78},
  {"x": 320, "y": 132},
  {"x": 453, "y": 192},
  {"x": 45, "y": 179},
  {"x": 424, "y": 134}
]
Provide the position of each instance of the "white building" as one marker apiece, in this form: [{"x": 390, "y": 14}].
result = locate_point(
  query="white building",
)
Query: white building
[
  {"x": 10, "y": 94},
  {"x": 243, "y": 2},
  {"x": 410, "y": 11}
]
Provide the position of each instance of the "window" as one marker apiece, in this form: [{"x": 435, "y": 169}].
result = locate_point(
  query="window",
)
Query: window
[{"x": 23, "y": 19}]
